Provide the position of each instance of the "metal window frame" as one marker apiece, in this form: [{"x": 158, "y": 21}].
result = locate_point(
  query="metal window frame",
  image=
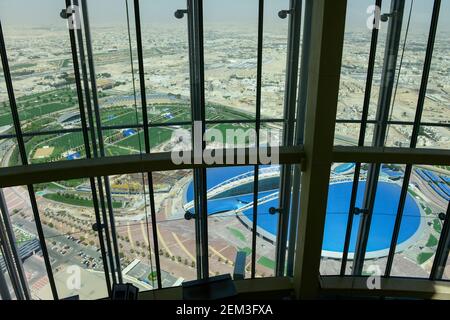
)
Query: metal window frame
[
  {"x": 290, "y": 102},
  {"x": 362, "y": 135},
  {"x": 78, "y": 58},
  {"x": 415, "y": 133},
  {"x": 257, "y": 128},
  {"x": 147, "y": 137},
  {"x": 382, "y": 116},
  {"x": 327, "y": 38},
  {"x": 8, "y": 240}
]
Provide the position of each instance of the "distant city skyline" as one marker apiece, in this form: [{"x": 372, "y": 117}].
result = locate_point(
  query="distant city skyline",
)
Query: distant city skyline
[{"x": 112, "y": 12}]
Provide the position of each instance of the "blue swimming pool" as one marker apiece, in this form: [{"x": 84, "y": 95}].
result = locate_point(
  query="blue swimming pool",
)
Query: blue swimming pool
[
  {"x": 344, "y": 167},
  {"x": 338, "y": 205}
]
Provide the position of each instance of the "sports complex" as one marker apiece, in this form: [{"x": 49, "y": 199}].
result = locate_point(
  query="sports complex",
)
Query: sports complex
[{"x": 230, "y": 190}]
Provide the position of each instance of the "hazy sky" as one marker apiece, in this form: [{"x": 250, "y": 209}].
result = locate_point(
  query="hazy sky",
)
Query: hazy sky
[{"x": 112, "y": 12}]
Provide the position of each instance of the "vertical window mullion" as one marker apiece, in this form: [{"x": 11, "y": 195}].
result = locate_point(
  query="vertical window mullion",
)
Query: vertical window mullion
[
  {"x": 415, "y": 133},
  {"x": 362, "y": 135},
  {"x": 290, "y": 99},
  {"x": 257, "y": 128},
  {"x": 196, "y": 63},
  {"x": 147, "y": 138},
  {"x": 91, "y": 128},
  {"x": 384, "y": 102}
]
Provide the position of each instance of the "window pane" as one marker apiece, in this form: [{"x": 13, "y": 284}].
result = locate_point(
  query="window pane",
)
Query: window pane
[
  {"x": 166, "y": 61},
  {"x": 67, "y": 215},
  {"x": 338, "y": 206},
  {"x": 176, "y": 235},
  {"x": 346, "y": 134},
  {"x": 41, "y": 65},
  {"x": 410, "y": 76},
  {"x": 355, "y": 58},
  {"x": 430, "y": 193},
  {"x": 437, "y": 106},
  {"x": 230, "y": 195},
  {"x": 267, "y": 230},
  {"x": 21, "y": 217},
  {"x": 383, "y": 219},
  {"x": 398, "y": 136},
  {"x": 434, "y": 137},
  {"x": 231, "y": 33},
  {"x": 51, "y": 148},
  {"x": 133, "y": 227},
  {"x": 274, "y": 60}
]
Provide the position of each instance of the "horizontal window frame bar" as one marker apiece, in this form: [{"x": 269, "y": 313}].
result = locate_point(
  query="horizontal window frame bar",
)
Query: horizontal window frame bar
[
  {"x": 107, "y": 166},
  {"x": 380, "y": 155},
  {"x": 394, "y": 122}
]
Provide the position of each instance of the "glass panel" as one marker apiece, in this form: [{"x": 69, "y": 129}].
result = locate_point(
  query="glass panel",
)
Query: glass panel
[
  {"x": 437, "y": 102},
  {"x": 176, "y": 235},
  {"x": 170, "y": 138},
  {"x": 9, "y": 153},
  {"x": 338, "y": 206},
  {"x": 274, "y": 60},
  {"x": 231, "y": 33},
  {"x": 398, "y": 136},
  {"x": 446, "y": 275},
  {"x": 267, "y": 230},
  {"x": 405, "y": 103},
  {"x": 379, "y": 59},
  {"x": 22, "y": 220},
  {"x": 230, "y": 198},
  {"x": 429, "y": 192},
  {"x": 368, "y": 140},
  {"x": 383, "y": 219},
  {"x": 166, "y": 61},
  {"x": 51, "y": 148},
  {"x": 67, "y": 215},
  {"x": 355, "y": 58},
  {"x": 133, "y": 227},
  {"x": 5, "y": 276},
  {"x": 230, "y": 135},
  {"x": 434, "y": 137},
  {"x": 346, "y": 134},
  {"x": 41, "y": 65}
]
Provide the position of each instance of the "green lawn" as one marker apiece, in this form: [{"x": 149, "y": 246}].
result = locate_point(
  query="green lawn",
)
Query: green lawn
[
  {"x": 76, "y": 201},
  {"x": 236, "y": 233},
  {"x": 437, "y": 225},
  {"x": 432, "y": 241},
  {"x": 247, "y": 250},
  {"x": 424, "y": 256},
  {"x": 266, "y": 262},
  {"x": 136, "y": 141}
]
